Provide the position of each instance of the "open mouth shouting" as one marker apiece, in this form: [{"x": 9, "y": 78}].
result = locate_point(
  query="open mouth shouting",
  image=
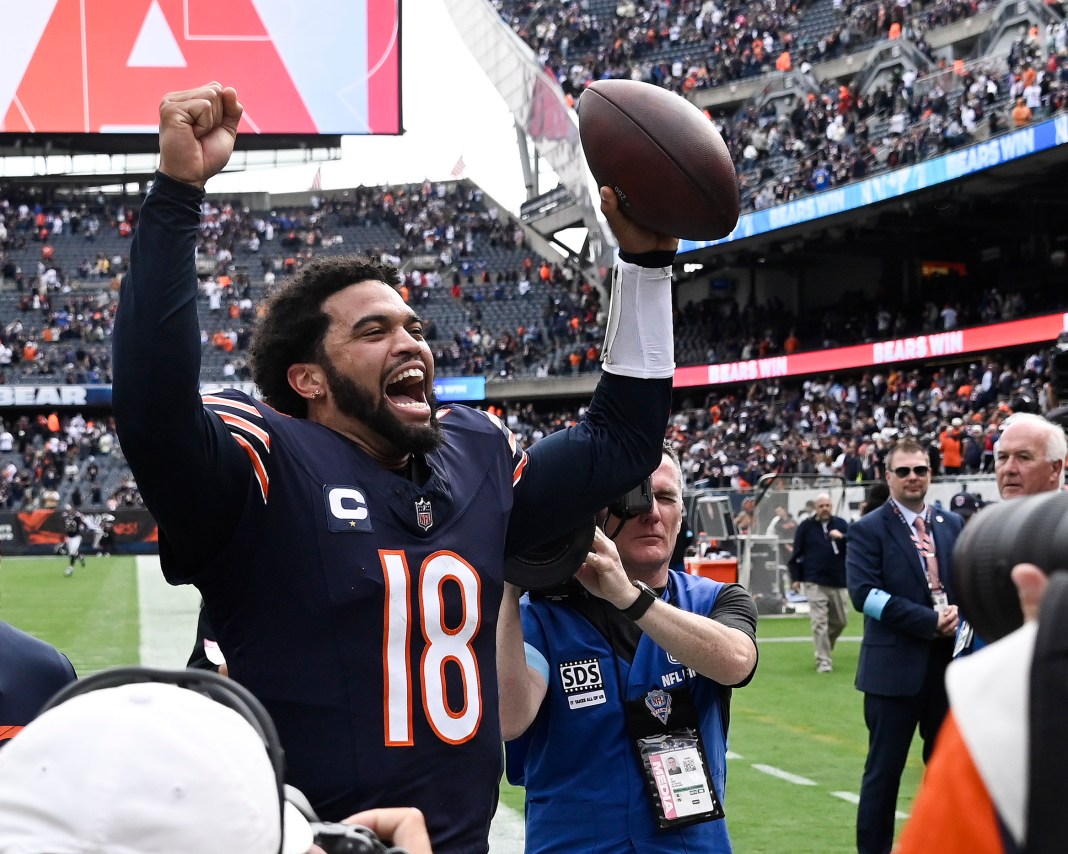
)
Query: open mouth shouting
[{"x": 406, "y": 393}]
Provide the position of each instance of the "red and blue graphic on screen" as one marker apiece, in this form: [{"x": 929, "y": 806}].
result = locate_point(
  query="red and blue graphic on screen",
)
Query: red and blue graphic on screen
[{"x": 299, "y": 66}]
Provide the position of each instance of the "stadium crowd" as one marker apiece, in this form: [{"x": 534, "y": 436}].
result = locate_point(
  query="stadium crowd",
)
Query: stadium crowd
[
  {"x": 834, "y": 426},
  {"x": 687, "y": 46},
  {"x": 834, "y": 133},
  {"x": 493, "y": 307}
]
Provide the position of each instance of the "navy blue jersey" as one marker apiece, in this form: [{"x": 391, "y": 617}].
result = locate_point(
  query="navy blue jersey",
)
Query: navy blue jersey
[
  {"x": 31, "y": 671},
  {"x": 359, "y": 607},
  {"x": 384, "y": 593}
]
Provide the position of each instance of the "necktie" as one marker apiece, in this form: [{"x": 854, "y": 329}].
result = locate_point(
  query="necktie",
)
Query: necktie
[{"x": 927, "y": 550}]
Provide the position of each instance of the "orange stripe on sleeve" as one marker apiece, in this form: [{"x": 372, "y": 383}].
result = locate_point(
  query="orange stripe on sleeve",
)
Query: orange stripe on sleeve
[
  {"x": 257, "y": 465},
  {"x": 234, "y": 404},
  {"x": 518, "y": 472},
  {"x": 246, "y": 425}
]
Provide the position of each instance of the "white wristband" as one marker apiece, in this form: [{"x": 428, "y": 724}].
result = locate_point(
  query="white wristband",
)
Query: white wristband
[{"x": 638, "y": 341}]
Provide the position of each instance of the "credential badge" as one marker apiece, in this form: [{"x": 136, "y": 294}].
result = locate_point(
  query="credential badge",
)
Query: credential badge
[
  {"x": 424, "y": 516},
  {"x": 659, "y": 704}
]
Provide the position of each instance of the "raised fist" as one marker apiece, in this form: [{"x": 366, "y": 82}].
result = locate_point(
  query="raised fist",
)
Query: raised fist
[{"x": 197, "y": 131}]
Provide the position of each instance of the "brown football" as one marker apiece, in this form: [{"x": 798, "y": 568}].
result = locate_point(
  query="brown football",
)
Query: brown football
[{"x": 663, "y": 157}]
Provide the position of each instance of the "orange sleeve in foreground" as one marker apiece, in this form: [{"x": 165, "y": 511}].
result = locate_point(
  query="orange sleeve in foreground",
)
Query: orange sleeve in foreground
[{"x": 952, "y": 813}]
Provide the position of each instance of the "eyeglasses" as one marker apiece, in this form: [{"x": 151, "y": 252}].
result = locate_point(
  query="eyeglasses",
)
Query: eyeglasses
[{"x": 905, "y": 471}]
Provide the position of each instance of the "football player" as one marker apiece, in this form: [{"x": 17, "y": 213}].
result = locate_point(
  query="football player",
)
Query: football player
[
  {"x": 348, "y": 535},
  {"x": 73, "y": 528}
]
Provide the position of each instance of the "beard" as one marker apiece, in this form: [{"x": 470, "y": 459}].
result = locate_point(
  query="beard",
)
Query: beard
[{"x": 358, "y": 403}]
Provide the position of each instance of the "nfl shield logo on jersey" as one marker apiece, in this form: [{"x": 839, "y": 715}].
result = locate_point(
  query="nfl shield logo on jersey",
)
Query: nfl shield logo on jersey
[
  {"x": 423, "y": 514},
  {"x": 659, "y": 704}
]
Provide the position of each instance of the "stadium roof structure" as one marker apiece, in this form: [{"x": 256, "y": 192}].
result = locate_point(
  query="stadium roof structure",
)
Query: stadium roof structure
[{"x": 544, "y": 122}]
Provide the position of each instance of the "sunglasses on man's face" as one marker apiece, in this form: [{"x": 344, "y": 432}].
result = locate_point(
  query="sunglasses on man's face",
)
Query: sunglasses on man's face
[{"x": 904, "y": 471}]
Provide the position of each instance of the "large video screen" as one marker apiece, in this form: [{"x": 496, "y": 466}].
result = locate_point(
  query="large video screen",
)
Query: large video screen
[{"x": 299, "y": 66}]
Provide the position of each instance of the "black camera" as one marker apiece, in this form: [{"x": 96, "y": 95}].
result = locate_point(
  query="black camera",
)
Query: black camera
[
  {"x": 550, "y": 566},
  {"x": 635, "y": 502},
  {"x": 1032, "y": 529},
  {"x": 349, "y": 839}
]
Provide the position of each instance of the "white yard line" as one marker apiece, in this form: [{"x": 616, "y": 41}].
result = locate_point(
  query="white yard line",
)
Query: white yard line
[
  {"x": 772, "y": 771},
  {"x": 852, "y": 798},
  {"x": 848, "y": 797},
  {"x": 168, "y": 616}
]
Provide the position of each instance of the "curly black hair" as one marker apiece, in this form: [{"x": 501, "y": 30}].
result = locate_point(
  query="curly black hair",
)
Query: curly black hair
[{"x": 293, "y": 325}]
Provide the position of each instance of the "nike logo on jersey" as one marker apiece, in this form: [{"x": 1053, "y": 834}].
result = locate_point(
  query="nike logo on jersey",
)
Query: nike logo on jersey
[{"x": 346, "y": 509}]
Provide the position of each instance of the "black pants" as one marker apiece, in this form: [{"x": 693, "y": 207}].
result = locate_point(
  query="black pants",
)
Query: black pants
[{"x": 892, "y": 722}]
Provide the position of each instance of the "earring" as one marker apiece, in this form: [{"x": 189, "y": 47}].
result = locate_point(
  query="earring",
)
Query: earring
[{"x": 316, "y": 393}]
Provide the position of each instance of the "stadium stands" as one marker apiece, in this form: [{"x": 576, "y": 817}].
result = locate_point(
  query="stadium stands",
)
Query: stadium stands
[{"x": 889, "y": 108}]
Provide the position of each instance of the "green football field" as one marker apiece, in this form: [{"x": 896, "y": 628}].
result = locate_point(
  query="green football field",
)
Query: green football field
[{"x": 797, "y": 738}]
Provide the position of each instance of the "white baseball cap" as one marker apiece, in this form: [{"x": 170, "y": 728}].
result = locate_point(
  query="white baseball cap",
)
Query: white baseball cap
[{"x": 144, "y": 768}]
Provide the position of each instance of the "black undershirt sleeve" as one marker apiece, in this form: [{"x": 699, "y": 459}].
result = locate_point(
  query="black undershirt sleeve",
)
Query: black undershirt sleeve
[
  {"x": 193, "y": 477},
  {"x": 573, "y": 473}
]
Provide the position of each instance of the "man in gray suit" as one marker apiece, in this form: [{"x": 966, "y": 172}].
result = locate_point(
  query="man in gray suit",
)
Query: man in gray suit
[{"x": 897, "y": 571}]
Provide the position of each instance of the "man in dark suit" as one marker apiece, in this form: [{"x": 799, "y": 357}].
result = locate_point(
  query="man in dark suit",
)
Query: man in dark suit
[{"x": 897, "y": 571}]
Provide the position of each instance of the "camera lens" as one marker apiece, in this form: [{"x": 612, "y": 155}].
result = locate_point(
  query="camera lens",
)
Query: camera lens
[{"x": 1033, "y": 529}]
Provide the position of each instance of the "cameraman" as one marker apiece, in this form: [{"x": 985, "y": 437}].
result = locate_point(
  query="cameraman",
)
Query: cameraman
[{"x": 632, "y": 669}]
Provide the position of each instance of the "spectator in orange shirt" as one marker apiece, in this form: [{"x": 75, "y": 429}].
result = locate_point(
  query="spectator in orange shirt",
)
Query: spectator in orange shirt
[
  {"x": 1021, "y": 114},
  {"x": 221, "y": 340},
  {"x": 951, "y": 441}
]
